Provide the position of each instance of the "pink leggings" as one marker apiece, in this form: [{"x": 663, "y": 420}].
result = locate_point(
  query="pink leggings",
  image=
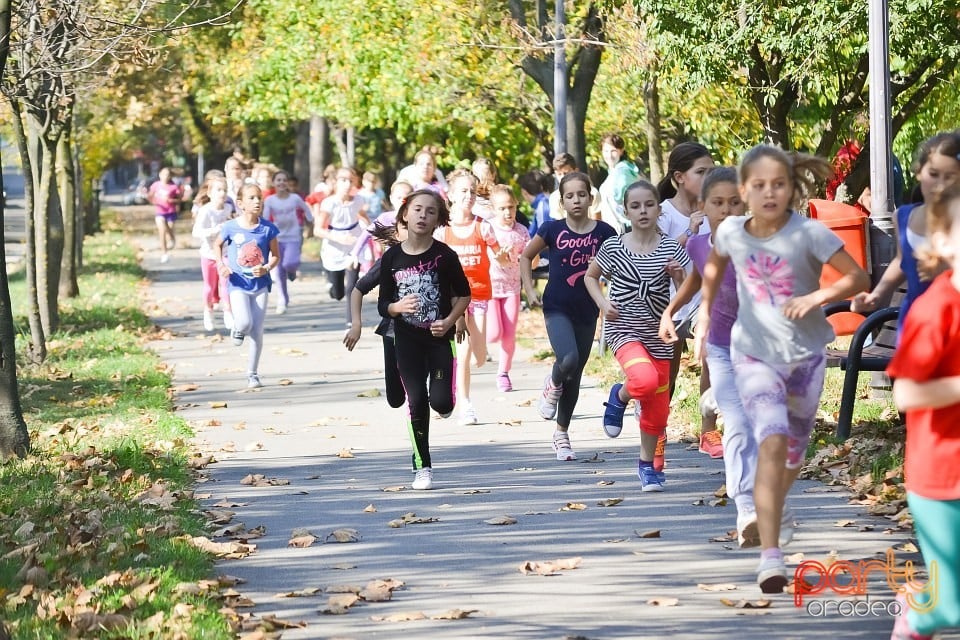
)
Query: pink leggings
[
  {"x": 502, "y": 317},
  {"x": 647, "y": 382},
  {"x": 214, "y": 287}
]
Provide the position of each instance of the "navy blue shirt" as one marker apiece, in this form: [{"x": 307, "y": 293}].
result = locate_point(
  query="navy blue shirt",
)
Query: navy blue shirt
[{"x": 570, "y": 255}]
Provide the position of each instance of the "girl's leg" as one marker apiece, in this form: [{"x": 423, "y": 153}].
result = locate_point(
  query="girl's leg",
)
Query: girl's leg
[
  {"x": 937, "y": 606},
  {"x": 211, "y": 283},
  {"x": 572, "y": 344},
  {"x": 464, "y": 352},
  {"x": 391, "y": 374},
  {"x": 647, "y": 381},
  {"x": 509, "y": 318},
  {"x": 163, "y": 234},
  {"x": 350, "y": 282},
  {"x": 739, "y": 445},
  {"x": 258, "y": 312},
  {"x": 290, "y": 258},
  {"x": 478, "y": 340},
  {"x": 443, "y": 390},
  {"x": 241, "y": 302},
  {"x": 336, "y": 284},
  {"x": 279, "y": 276},
  {"x": 413, "y": 367},
  {"x": 494, "y": 320}
]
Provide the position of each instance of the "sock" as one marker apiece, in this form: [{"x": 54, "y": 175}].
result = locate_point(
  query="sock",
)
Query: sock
[
  {"x": 772, "y": 553},
  {"x": 646, "y": 463}
]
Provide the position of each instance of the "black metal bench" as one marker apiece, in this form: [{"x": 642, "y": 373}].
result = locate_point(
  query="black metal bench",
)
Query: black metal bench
[{"x": 881, "y": 327}]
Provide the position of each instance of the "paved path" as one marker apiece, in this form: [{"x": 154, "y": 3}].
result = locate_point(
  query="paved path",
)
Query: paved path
[{"x": 310, "y": 410}]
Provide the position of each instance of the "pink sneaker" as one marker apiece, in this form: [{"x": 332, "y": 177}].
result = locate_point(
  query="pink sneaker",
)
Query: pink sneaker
[
  {"x": 901, "y": 628},
  {"x": 503, "y": 382}
]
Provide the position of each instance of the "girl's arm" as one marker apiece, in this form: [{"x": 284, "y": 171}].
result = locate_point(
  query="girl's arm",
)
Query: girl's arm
[
  {"x": 686, "y": 291},
  {"x": 853, "y": 280},
  {"x": 893, "y": 278},
  {"x": 356, "y": 309},
  {"x": 532, "y": 250},
  {"x": 274, "y": 256},
  {"x": 222, "y": 267},
  {"x": 933, "y": 394},
  {"x": 591, "y": 280},
  {"x": 712, "y": 276},
  {"x": 321, "y": 220},
  {"x": 201, "y": 226}
]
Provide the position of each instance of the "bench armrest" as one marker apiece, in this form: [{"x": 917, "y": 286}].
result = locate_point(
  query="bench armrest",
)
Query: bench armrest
[
  {"x": 840, "y": 306},
  {"x": 874, "y": 321}
]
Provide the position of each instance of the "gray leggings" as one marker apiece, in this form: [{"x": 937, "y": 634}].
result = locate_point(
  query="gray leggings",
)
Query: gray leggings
[
  {"x": 572, "y": 343},
  {"x": 249, "y": 310}
]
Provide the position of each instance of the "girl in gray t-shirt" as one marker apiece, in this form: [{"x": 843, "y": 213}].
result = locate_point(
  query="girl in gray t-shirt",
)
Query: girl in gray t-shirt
[{"x": 778, "y": 342}]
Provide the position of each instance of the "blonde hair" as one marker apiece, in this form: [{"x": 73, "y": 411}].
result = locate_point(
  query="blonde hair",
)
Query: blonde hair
[
  {"x": 804, "y": 170},
  {"x": 504, "y": 189},
  {"x": 942, "y": 214}
]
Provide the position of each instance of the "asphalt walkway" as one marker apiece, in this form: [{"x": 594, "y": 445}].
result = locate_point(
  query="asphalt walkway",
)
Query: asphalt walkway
[{"x": 340, "y": 460}]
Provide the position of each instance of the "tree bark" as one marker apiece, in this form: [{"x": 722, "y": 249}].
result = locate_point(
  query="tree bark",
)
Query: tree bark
[
  {"x": 651, "y": 103},
  {"x": 66, "y": 188},
  {"x": 14, "y": 437},
  {"x": 319, "y": 148},
  {"x": 48, "y": 222}
]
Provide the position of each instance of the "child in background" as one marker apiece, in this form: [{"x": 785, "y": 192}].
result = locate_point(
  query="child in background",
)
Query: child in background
[
  {"x": 290, "y": 214},
  {"x": 621, "y": 173},
  {"x": 252, "y": 251},
  {"x": 341, "y": 221},
  {"x": 372, "y": 194},
  {"x": 778, "y": 342},
  {"x": 424, "y": 291},
  {"x": 926, "y": 373},
  {"x": 563, "y": 164},
  {"x": 721, "y": 198},
  {"x": 531, "y": 188},
  {"x": 569, "y": 313},
  {"x": 262, "y": 176},
  {"x": 937, "y": 167},
  {"x": 165, "y": 197},
  {"x": 470, "y": 237},
  {"x": 503, "y": 311},
  {"x": 365, "y": 243},
  {"x": 209, "y": 220},
  {"x": 235, "y": 173},
  {"x": 486, "y": 175},
  {"x": 639, "y": 265}
]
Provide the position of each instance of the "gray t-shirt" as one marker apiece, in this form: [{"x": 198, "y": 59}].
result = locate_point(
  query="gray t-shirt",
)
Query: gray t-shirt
[{"x": 770, "y": 271}]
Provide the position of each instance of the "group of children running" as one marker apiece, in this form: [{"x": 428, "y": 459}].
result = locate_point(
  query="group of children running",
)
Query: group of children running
[{"x": 450, "y": 282}]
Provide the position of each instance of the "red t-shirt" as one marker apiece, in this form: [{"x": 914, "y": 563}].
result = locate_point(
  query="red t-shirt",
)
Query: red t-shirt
[
  {"x": 930, "y": 348},
  {"x": 470, "y": 241}
]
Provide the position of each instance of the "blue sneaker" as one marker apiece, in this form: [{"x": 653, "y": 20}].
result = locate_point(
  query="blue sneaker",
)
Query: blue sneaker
[
  {"x": 650, "y": 480},
  {"x": 613, "y": 415}
]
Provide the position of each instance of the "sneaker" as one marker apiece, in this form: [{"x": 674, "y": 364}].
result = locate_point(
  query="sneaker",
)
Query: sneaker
[
  {"x": 423, "y": 481},
  {"x": 281, "y": 309},
  {"x": 237, "y": 338},
  {"x": 446, "y": 415},
  {"x": 208, "y": 320},
  {"x": 772, "y": 575},
  {"x": 503, "y": 382},
  {"x": 711, "y": 443},
  {"x": 291, "y": 275},
  {"x": 549, "y": 399},
  {"x": 613, "y": 414},
  {"x": 165, "y": 258},
  {"x": 787, "y": 527},
  {"x": 901, "y": 626},
  {"x": 748, "y": 534},
  {"x": 253, "y": 381},
  {"x": 468, "y": 415},
  {"x": 561, "y": 444},
  {"x": 650, "y": 480},
  {"x": 228, "y": 319},
  {"x": 658, "y": 455}
]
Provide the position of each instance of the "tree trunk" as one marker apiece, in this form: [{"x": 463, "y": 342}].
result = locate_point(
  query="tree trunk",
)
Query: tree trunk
[
  {"x": 301, "y": 156},
  {"x": 37, "y": 349},
  {"x": 319, "y": 148},
  {"x": 66, "y": 189},
  {"x": 651, "y": 102},
  {"x": 49, "y": 223},
  {"x": 14, "y": 437}
]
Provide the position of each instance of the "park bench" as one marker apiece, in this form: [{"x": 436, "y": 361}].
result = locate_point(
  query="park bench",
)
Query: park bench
[{"x": 880, "y": 328}]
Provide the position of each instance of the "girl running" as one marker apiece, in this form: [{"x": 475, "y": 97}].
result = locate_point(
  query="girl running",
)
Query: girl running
[
  {"x": 569, "y": 313},
  {"x": 470, "y": 237},
  {"x": 248, "y": 241},
  {"x": 926, "y": 372},
  {"x": 290, "y": 214},
  {"x": 503, "y": 311},
  {"x": 210, "y": 218},
  {"x": 424, "y": 291},
  {"x": 639, "y": 265},
  {"x": 778, "y": 341}
]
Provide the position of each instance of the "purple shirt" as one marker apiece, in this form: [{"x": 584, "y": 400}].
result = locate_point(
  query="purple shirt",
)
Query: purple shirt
[
  {"x": 570, "y": 255},
  {"x": 723, "y": 313}
]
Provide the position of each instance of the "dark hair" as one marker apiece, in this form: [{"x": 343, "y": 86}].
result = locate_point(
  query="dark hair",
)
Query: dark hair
[
  {"x": 803, "y": 170},
  {"x": 941, "y": 216},
  {"x": 385, "y": 234},
  {"x": 716, "y": 176},
  {"x": 682, "y": 157},
  {"x": 945, "y": 143},
  {"x": 641, "y": 184},
  {"x": 443, "y": 213},
  {"x": 574, "y": 176},
  {"x": 564, "y": 160},
  {"x": 532, "y": 182},
  {"x": 246, "y": 186},
  {"x": 615, "y": 141}
]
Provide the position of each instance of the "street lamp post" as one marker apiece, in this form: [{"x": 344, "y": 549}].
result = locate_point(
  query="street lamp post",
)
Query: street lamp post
[
  {"x": 559, "y": 84},
  {"x": 881, "y": 171}
]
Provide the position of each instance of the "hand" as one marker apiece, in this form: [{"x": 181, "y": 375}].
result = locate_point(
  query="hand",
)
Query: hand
[
  {"x": 354, "y": 262},
  {"x": 668, "y": 330},
  {"x": 674, "y": 269},
  {"x": 224, "y": 270},
  {"x": 533, "y": 299},
  {"x": 864, "y": 302},
  {"x": 796, "y": 308},
  {"x": 610, "y": 311},
  {"x": 351, "y": 337},
  {"x": 696, "y": 219},
  {"x": 503, "y": 256},
  {"x": 700, "y": 335},
  {"x": 407, "y": 304},
  {"x": 259, "y": 270},
  {"x": 461, "y": 330},
  {"x": 440, "y": 327}
]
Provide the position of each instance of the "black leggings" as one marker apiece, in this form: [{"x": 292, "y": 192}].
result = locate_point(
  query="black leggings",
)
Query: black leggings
[
  {"x": 343, "y": 283},
  {"x": 418, "y": 360},
  {"x": 572, "y": 343},
  {"x": 396, "y": 396}
]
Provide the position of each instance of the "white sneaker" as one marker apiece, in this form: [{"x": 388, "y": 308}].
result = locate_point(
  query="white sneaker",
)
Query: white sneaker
[
  {"x": 228, "y": 320},
  {"x": 748, "y": 535},
  {"x": 253, "y": 381},
  {"x": 281, "y": 309},
  {"x": 208, "y": 320},
  {"x": 423, "y": 480},
  {"x": 547, "y": 406},
  {"x": 165, "y": 258},
  {"x": 772, "y": 575},
  {"x": 561, "y": 444},
  {"x": 468, "y": 415}
]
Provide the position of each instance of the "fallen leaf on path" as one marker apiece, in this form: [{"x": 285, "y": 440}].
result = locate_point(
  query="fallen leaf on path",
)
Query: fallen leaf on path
[
  {"x": 254, "y": 446},
  {"x": 370, "y": 508},
  {"x": 501, "y": 520},
  {"x": 721, "y": 492},
  {"x": 343, "y": 588},
  {"x": 609, "y": 502},
  {"x": 393, "y": 489},
  {"x": 369, "y": 393},
  {"x": 454, "y": 614},
  {"x": 746, "y": 604},
  {"x": 301, "y": 542},
  {"x": 908, "y": 547},
  {"x": 343, "y": 566},
  {"x": 844, "y": 523},
  {"x": 286, "y": 351},
  {"x": 260, "y": 480},
  {"x": 511, "y": 423},
  {"x": 400, "y": 617},
  {"x": 231, "y": 550},
  {"x": 731, "y": 536},
  {"x": 651, "y": 533},
  {"x": 615, "y": 540},
  {"x": 595, "y": 458},
  {"x": 380, "y": 590},
  {"x": 339, "y": 604},
  {"x": 300, "y": 593},
  {"x": 345, "y": 453},
  {"x": 343, "y": 535},
  {"x": 218, "y": 405},
  {"x": 793, "y": 558},
  {"x": 470, "y": 492},
  {"x": 285, "y": 382},
  {"x": 717, "y": 587},
  {"x": 698, "y": 502},
  {"x": 226, "y": 504},
  {"x": 573, "y": 506},
  {"x": 664, "y": 602},
  {"x": 605, "y": 483},
  {"x": 190, "y": 386},
  {"x": 525, "y": 403},
  {"x": 549, "y": 567},
  {"x": 719, "y": 502}
]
